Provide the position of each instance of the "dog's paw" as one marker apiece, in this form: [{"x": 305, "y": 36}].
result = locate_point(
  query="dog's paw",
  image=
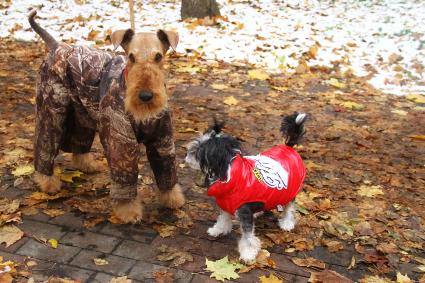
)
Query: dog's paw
[
  {"x": 249, "y": 248},
  {"x": 287, "y": 224},
  {"x": 173, "y": 198},
  {"x": 48, "y": 184},
  {"x": 222, "y": 227},
  {"x": 128, "y": 211},
  {"x": 86, "y": 163},
  {"x": 214, "y": 231}
]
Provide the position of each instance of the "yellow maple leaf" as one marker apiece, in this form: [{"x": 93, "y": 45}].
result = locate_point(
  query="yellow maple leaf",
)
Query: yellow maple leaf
[
  {"x": 100, "y": 261},
  {"x": 370, "y": 191},
  {"x": 258, "y": 75},
  {"x": 231, "y": 100},
  {"x": 399, "y": 112},
  {"x": 53, "y": 243},
  {"x": 417, "y": 98},
  {"x": 23, "y": 170},
  {"x": 270, "y": 279},
  {"x": 335, "y": 83},
  {"x": 280, "y": 88},
  {"x": 403, "y": 278},
  {"x": 68, "y": 175},
  {"x": 219, "y": 86},
  {"x": 188, "y": 69},
  {"x": 352, "y": 105}
]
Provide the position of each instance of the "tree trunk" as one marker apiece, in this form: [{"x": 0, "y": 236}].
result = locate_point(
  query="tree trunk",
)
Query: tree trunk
[{"x": 199, "y": 9}]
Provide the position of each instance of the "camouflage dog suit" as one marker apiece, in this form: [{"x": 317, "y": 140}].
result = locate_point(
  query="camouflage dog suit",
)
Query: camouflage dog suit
[{"x": 81, "y": 90}]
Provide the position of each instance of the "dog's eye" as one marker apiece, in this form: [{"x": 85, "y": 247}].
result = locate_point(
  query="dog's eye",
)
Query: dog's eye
[{"x": 158, "y": 57}]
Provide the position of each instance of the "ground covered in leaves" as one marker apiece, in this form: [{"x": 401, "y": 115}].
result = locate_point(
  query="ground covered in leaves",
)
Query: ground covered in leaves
[{"x": 360, "y": 215}]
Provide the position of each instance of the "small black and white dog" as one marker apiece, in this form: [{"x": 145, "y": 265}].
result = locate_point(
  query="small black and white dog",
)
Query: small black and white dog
[{"x": 245, "y": 185}]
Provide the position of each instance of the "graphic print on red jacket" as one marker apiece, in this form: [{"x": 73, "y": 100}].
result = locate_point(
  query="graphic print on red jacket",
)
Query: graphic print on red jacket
[{"x": 273, "y": 177}]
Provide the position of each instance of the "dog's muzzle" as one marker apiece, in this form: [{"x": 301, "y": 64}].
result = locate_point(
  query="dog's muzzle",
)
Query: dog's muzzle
[{"x": 145, "y": 96}]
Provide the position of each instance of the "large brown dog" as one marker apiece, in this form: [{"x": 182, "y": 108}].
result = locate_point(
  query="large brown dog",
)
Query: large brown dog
[{"x": 82, "y": 90}]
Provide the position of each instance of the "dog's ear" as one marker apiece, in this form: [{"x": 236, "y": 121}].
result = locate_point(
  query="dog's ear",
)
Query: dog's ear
[
  {"x": 168, "y": 38},
  {"x": 122, "y": 37}
]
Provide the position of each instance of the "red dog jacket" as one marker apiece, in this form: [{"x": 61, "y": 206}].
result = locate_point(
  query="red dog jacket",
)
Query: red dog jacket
[{"x": 273, "y": 177}]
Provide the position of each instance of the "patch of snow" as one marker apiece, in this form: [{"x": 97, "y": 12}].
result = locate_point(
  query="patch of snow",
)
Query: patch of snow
[{"x": 384, "y": 37}]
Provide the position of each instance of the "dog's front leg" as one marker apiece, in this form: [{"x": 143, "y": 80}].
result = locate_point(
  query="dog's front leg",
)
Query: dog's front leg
[
  {"x": 161, "y": 154},
  {"x": 122, "y": 152},
  {"x": 287, "y": 222},
  {"x": 249, "y": 245},
  {"x": 223, "y": 226}
]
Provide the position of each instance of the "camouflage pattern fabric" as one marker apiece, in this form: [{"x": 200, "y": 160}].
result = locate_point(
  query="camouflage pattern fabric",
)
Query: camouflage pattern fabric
[{"x": 81, "y": 90}]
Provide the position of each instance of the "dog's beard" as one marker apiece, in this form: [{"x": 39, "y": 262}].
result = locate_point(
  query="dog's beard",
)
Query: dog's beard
[{"x": 193, "y": 148}]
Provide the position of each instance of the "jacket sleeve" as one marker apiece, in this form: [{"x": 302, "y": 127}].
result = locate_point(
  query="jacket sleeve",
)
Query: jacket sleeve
[
  {"x": 121, "y": 148},
  {"x": 161, "y": 153}
]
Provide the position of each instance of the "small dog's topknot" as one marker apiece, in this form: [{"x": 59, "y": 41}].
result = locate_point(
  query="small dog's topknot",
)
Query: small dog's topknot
[{"x": 217, "y": 127}]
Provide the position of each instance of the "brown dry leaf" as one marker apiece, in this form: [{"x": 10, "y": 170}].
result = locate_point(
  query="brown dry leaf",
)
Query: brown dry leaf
[
  {"x": 324, "y": 204},
  {"x": 91, "y": 222},
  {"x": 100, "y": 205},
  {"x": 54, "y": 212},
  {"x": 9, "y": 206},
  {"x": 333, "y": 246},
  {"x": 363, "y": 229},
  {"x": 271, "y": 279},
  {"x": 328, "y": 276},
  {"x": 163, "y": 276},
  {"x": 374, "y": 279},
  {"x": 122, "y": 279},
  {"x": 302, "y": 67},
  {"x": 387, "y": 248},
  {"x": 93, "y": 35},
  {"x": 10, "y": 234},
  {"x": 165, "y": 230},
  {"x": 309, "y": 262},
  {"x": 172, "y": 254},
  {"x": 9, "y": 218},
  {"x": 312, "y": 52},
  {"x": 44, "y": 197},
  {"x": 262, "y": 260}
]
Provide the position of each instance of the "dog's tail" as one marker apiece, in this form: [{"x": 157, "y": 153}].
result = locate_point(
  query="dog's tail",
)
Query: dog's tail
[
  {"x": 51, "y": 43},
  {"x": 293, "y": 128}
]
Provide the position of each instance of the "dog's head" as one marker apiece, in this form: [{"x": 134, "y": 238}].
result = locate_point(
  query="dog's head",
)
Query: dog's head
[
  {"x": 146, "y": 95},
  {"x": 212, "y": 152}
]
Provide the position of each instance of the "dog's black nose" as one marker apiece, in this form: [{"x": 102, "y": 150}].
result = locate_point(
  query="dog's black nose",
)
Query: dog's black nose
[{"x": 145, "y": 95}]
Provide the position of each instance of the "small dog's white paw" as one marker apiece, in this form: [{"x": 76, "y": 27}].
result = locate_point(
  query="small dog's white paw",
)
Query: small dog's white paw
[
  {"x": 287, "y": 224},
  {"x": 217, "y": 230},
  {"x": 249, "y": 248},
  {"x": 214, "y": 231}
]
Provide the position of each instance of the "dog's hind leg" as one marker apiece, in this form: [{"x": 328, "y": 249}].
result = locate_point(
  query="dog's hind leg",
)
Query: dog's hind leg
[
  {"x": 287, "y": 221},
  {"x": 51, "y": 110},
  {"x": 249, "y": 245},
  {"x": 223, "y": 226},
  {"x": 80, "y": 131}
]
